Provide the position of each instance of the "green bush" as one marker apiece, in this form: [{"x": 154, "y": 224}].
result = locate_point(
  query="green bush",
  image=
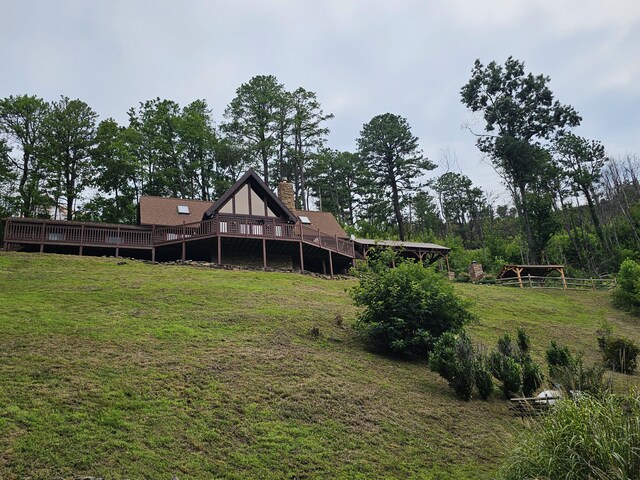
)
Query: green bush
[
  {"x": 483, "y": 377},
  {"x": 559, "y": 359},
  {"x": 508, "y": 371},
  {"x": 406, "y": 308},
  {"x": 455, "y": 359},
  {"x": 532, "y": 377},
  {"x": 627, "y": 293},
  {"x": 620, "y": 354},
  {"x": 594, "y": 437}
]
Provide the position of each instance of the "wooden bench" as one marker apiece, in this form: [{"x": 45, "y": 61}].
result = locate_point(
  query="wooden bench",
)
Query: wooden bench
[{"x": 531, "y": 406}]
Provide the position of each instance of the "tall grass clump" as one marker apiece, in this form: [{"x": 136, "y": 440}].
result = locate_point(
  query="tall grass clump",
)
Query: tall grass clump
[{"x": 595, "y": 437}]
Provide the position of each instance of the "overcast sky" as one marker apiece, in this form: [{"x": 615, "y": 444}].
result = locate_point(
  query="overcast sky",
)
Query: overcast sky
[{"x": 361, "y": 57}]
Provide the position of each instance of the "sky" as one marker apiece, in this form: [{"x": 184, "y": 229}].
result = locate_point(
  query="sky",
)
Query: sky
[{"x": 361, "y": 57}]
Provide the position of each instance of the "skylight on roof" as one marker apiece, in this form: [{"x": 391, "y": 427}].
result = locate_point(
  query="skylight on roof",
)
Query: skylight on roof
[
  {"x": 183, "y": 210},
  {"x": 304, "y": 219}
]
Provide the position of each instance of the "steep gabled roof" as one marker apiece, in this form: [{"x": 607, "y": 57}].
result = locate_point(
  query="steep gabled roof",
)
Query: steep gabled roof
[
  {"x": 164, "y": 211},
  {"x": 260, "y": 187}
]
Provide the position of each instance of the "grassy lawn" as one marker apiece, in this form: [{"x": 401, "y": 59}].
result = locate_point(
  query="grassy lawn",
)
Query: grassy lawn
[{"x": 148, "y": 371}]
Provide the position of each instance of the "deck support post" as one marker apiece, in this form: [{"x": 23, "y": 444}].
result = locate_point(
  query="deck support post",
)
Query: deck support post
[
  {"x": 6, "y": 232},
  {"x": 331, "y": 263},
  {"x": 219, "y": 250},
  {"x": 118, "y": 242},
  {"x": 81, "y": 239},
  {"x": 153, "y": 242},
  {"x": 301, "y": 258},
  {"x": 184, "y": 244},
  {"x": 264, "y": 253},
  {"x": 42, "y": 238}
]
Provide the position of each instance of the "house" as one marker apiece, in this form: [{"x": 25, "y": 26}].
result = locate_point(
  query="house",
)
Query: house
[{"x": 248, "y": 225}]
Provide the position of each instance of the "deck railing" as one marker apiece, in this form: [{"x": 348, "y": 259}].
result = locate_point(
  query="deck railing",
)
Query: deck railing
[
  {"x": 20, "y": 230},
  {"x": 567, "y": 283}
]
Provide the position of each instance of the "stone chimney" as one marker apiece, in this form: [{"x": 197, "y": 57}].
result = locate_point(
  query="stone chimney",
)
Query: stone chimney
[{"x": 285, "y": 194}]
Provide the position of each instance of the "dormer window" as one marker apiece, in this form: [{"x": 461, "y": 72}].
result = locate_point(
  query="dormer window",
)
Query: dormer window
[
  {"x": 183, "y": 210},
  {"x": 304, "y": 220}
]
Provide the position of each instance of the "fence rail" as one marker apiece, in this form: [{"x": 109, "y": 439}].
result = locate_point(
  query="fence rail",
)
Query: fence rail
[{"x": 566, "y": 283}]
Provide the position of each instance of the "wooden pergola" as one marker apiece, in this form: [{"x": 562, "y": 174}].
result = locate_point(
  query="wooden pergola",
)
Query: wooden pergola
[{"x": 530, "y": 271}]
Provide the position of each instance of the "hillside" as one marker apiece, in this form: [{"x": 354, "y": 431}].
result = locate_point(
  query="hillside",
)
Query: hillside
[{"x": 147, "y": 371}]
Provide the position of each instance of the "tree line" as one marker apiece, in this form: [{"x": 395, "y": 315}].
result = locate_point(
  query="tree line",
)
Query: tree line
[{"x": 570, "y": 202}]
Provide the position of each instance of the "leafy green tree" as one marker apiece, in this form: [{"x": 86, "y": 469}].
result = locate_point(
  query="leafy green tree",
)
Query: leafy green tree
[
  {"x": 391, "y": 154},
  {"x": 520, "y": 114},
  {"x": 69, "y": 137},
  {"x": 582, "y": 162},
  {"x": 333, "y": 179},
  {"x": 253, "y": 120},
  {"x": 308, "y": 135},
  {"x": 460, "y": 202},
  {"x": 153, "y": 139},
  {"x": 21, "y": 124},
  {"x": 196, "y": 147},
  {"x": 115, "y": 174}
]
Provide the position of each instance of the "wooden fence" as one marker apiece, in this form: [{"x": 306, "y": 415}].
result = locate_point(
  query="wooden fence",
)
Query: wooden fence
[{"x": 566, "y": 283}]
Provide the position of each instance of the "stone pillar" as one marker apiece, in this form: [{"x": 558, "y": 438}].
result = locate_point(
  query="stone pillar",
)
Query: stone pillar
[{"x": 285, "y": 193}]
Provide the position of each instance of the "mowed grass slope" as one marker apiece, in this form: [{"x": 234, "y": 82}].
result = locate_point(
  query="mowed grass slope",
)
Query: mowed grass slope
[{"x": 148, "y": 371}]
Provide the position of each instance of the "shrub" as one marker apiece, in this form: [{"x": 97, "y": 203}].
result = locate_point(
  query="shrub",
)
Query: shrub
[
  {"x": 443, "y": 356},
  {"x": 627, "y": 293},
  {"x": 620, "y": 354},
  {"x": 532, "y": 377},
  {"x": 508, "y": 371},
  {"x": 483, "y": 377},
  {"x": 595, "y": 437},
  {"x": 455, "y": 359},
  {"x": 463, "y": 379},
  {"x": 511, "y": 373},
  {"x": 406, "y": 308},
  {"x": 558, "y": 359},
  {"x": 579, "y": 377}
]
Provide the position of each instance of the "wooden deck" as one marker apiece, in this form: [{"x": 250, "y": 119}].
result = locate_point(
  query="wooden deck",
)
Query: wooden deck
[{"x": 27, "y": 231}]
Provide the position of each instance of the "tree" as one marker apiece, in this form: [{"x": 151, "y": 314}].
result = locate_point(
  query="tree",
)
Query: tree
[
  {"x": 332, "y": 178},
  {"x": 69, "y": 138},
  {"x": 308, "y": 135},
  {"x": 115, "y": 170},
  {"x": 21, "y": 123},
  {"x": 582, "y": 161},
  {"x": 154, "y": 141},
  {"x": 253, "y": 120},
  {"x": 196, "y": 147},
  {"x": 390, "y": 152},
  {"x": 520, "y": 114}
]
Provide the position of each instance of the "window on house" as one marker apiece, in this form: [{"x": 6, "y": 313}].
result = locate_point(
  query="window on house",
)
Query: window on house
[
  {"x": 183, "y": 210},
  {"x": 304, "y": 220}
]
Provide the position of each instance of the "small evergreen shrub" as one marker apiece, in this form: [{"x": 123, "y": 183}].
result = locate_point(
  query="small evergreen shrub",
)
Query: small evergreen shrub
[
  {"x": 559, "y": 359},
  {"x": 456, "y": 360},
  {"x": 511, "y": 373},
  {"x": 406, "y": 308},
  {"x": 532, "y": 377},
  {"x": 483, "y": 377},
  {"x": 620, "y": 355}
]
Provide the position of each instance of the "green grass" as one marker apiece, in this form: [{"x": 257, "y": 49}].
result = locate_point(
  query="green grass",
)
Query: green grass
[{"x": 148, "y": 371}]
